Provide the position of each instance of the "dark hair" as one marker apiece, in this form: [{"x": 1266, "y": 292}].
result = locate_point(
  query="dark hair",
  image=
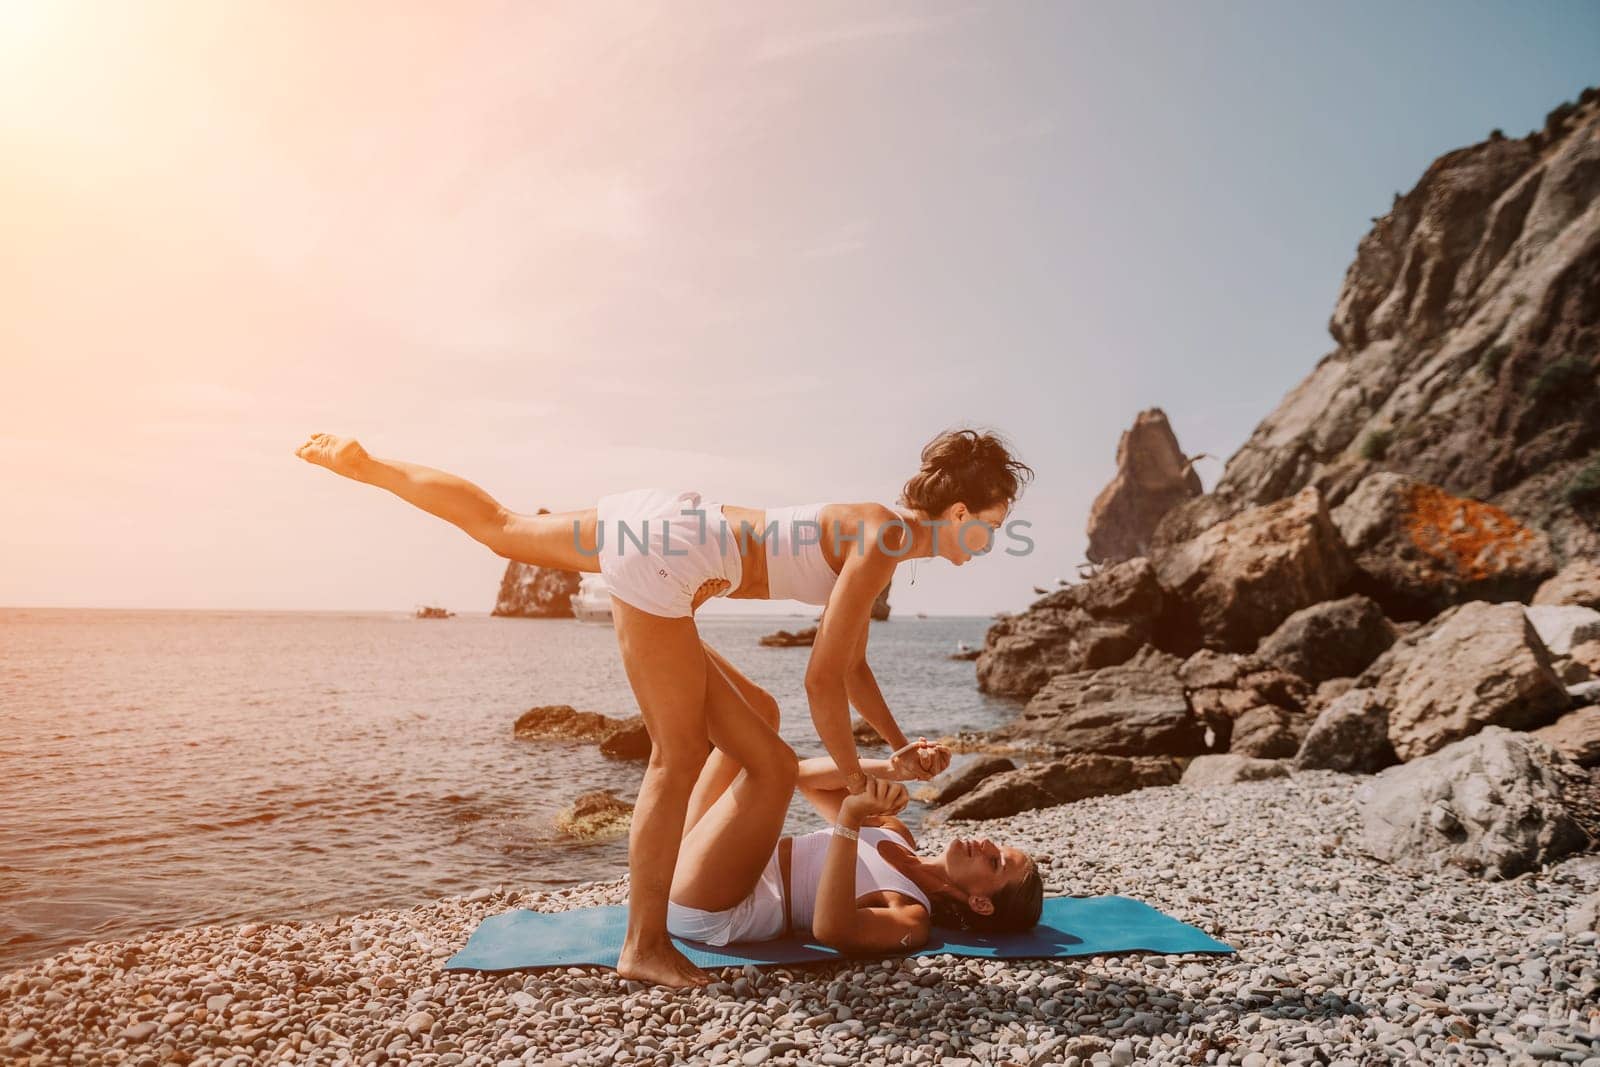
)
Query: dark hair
[
  {"x": 1017, "y": 908},
  {"x": 972, "y": 467}
]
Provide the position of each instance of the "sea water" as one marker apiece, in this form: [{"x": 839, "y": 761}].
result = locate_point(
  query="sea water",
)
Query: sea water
[{"x": 168, "y": 768}]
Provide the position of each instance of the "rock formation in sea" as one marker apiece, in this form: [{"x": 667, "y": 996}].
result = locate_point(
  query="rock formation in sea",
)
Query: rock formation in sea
[
  {"x": 880, "y": 606},
  {"x": 596, "y": 815},
  {"x": 789, "y": 638},
  {"x": 1153, "y": 476},
  {"x": 808, "y": 637},
  {"x": 623, "y": 739},
  {"x": 528, "y": 592}
]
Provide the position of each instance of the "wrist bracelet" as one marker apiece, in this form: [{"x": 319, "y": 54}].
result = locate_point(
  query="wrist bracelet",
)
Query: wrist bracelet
[{"x": 845, "y": 831}]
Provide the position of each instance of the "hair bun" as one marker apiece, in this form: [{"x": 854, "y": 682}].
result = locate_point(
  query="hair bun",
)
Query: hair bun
[{"x": 971, "y": 466}]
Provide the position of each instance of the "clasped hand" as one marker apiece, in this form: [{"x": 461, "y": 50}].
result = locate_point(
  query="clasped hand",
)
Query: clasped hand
[
  {"x": 880, "y": 797},
  {"x": 919, "y": 761}
]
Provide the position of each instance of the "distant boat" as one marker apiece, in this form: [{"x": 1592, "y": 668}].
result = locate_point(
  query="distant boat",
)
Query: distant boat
[
  {"x": 922, "y": 614},
  {"x": 429, "y": 612},
  {"x": 592, "y": 601}
]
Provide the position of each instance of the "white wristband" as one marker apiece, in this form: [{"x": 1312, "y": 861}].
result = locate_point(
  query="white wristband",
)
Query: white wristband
[{"x": 845, "y": 831}]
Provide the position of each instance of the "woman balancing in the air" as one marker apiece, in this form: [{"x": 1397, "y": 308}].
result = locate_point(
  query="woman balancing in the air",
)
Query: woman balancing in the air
[{"x": 664, "y": 553}]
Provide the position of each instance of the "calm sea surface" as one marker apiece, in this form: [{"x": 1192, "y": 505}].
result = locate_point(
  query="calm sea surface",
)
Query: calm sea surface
[{"x": 163, "y": 768}]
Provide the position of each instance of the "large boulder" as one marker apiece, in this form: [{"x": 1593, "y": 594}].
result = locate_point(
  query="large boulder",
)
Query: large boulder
[
  {"x": 1073, "y": 777},
  {"x": 1491, "y": 804},
  {"x": 1576, "y": 735},
  {"x": 1133, "y": 709},
  {"x": 1420, "y": 549},
  {"x": 1477, "y": 665},
  {"x": 1351, "y": 735},
  {"x": 1098, "y": 623},
  {"x": 1268, "y": 732},
  {"x": 1190, "y": 519},
  {"x": 624, "y": 739},
  {"x": 1329, "y": 691},
  {"x": 965, "y": 779},
  {"x": 529, "y": 592},
  {"x": 629, "y": 741},
  {"x": 1563, "y": 627},
  {"x": 1227, "y": 768},
  {"x": 596, "y": 815},
  {"x": 1334, "y": 639},
  {"x": 1576, "y": 583},
  {"x": 1222, "y": 686},
  {"x": 1153, "y": 475},
  {"x": 1237, "y": 581},
  {"x": 563, "y": 722},
  {"x": 1584, "y": 918}
]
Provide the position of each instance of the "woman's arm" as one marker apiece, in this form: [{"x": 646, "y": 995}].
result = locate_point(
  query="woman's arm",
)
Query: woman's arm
[
  {"x": 839, "y": 635},
  {"x": 838, "y": 921},
  {"x": 822, "y": 783},
  {"x": 862, "y": 688}
]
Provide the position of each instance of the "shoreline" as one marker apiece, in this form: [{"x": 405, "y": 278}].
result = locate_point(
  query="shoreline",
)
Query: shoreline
[{"x": 1339, "y": 958}]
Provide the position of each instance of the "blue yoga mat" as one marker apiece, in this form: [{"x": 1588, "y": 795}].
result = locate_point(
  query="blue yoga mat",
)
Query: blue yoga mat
[{"x": 1070, "y": 926}]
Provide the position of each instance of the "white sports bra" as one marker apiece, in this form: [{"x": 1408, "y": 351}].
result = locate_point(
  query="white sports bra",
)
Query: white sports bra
[
  {"x": 797, "y": 569},
  {"x": 873, "y": 872}
]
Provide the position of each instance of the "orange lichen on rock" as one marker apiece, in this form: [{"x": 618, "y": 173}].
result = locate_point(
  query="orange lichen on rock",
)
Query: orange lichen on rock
[{"x": 1474, "y": 540}]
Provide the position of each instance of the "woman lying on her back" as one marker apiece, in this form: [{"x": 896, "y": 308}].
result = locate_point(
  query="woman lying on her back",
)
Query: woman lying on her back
[{"x": 859, "y": 887}]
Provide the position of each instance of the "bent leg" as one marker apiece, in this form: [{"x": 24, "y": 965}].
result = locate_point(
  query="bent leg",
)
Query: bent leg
[
  {"x": 721, "y": 767},
  {"x": 724, "y": 853},
  {"x": 667, "y": 669}
]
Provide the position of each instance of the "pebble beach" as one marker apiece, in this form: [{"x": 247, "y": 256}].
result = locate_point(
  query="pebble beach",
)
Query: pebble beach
[{"x": 1341, "y": 959}]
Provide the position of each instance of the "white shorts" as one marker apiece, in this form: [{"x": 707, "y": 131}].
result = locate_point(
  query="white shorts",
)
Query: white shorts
[
  {"x": 758, "y": 917},
  {"x": 658, "y": 547}
]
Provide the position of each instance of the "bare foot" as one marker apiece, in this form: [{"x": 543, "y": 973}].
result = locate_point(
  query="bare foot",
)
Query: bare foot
[
  {"x": 663, "y": 965},
  {"x": 341, "y": 455}
]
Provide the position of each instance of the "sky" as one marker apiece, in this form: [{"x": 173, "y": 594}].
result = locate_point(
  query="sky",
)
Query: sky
[{"x": 764, "y": 251}]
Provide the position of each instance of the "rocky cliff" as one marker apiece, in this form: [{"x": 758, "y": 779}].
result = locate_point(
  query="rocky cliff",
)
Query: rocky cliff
[
  {"x": 1468, "y": 346},
  {"x": 1375, "y": 576}
]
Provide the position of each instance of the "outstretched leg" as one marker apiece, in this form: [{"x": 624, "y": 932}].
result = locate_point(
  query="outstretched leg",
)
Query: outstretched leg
[
  {"x": 564, "y": 542},
  {"x": 667, "y": 669}
]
